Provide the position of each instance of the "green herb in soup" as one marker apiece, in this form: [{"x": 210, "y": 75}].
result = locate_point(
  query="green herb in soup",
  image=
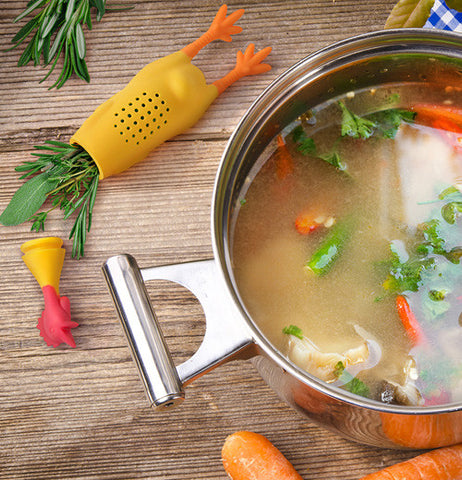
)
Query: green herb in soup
[{"x": 348, "y": 251}]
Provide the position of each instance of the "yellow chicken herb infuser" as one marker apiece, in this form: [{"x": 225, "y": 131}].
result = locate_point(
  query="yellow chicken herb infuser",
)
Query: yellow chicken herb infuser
[{"x": 164, "y": 99}]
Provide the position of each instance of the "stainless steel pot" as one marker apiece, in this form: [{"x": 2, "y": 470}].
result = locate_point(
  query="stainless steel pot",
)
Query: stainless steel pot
[{"x": 407, "y": 55}]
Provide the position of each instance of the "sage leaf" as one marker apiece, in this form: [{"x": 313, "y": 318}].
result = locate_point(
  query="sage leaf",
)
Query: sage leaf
[
  {"x": 409, "y": 14},
  {"x": 28, "y": 199}
]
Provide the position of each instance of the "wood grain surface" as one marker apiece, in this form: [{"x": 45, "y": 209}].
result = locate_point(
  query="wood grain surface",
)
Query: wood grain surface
[{"x": 81, "y": 413}]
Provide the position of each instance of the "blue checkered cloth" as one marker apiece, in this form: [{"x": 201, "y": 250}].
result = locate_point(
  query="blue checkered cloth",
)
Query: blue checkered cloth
[{"x": 444, "y": 18}]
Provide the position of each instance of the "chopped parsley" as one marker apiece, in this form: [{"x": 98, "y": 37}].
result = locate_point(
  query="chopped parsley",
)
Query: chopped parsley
[
  {"x": 293, "y": 330},
  {"x": 355, "y": 126},
  {"x": 384, "y": 123},
  {"x": 352, "y": 384},
  {"x": 451, "y": 210}
]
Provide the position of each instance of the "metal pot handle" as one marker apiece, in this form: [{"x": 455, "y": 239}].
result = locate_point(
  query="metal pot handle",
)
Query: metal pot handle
[{"x": 226, "y": 337}]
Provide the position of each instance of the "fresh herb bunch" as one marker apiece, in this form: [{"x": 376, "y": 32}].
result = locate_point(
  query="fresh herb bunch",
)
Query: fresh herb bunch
[
  {"x": 57, "y": 28},
  {"x": 65, "y": 175}
]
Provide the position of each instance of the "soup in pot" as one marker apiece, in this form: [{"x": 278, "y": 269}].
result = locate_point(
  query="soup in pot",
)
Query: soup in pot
[{"x": 347, "y": 243}]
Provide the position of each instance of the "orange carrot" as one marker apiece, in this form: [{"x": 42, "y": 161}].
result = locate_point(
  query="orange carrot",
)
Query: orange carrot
[
  {"x": 410, "y": 323},
  {"x": 307, "y": 223},
  {"x": 251, "y": 456},
  {"x": 441, "y": 464},
  {"x": 285, "y": 163},
  {"x": 444, "y": 117},
  {"x": 447, "y": 119}
]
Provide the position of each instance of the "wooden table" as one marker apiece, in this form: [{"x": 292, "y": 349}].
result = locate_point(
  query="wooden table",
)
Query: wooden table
[{"x": 82, "y": 413}]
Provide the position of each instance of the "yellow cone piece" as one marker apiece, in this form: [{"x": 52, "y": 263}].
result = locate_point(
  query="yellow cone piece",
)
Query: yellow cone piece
[
  {"x": 164, "y": 99},
  {"x": 44, "y": 257}
]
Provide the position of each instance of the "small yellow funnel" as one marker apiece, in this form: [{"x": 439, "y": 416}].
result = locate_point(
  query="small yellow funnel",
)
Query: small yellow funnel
[{"x": 44, "y": 257}]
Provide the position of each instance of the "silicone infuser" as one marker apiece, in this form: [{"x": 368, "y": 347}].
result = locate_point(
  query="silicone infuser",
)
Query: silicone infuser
[
  {"x": 164, "y": 99},
  {"x": 44, "y": 257}
]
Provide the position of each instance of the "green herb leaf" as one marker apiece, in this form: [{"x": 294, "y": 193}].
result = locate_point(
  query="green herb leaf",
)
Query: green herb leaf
[
  {"x": 437, "y": 295},
  {"x": 355, "y": 126},
  {"x": 389, "y": 121},
  {"x": 293, "y": 330},
  {"x": 28, "y": 199},
  {"x": 357, "y": 387},
  {"x": 339, "y": 369},
  {"x": 305, "y": 144},
  {"x": 409, "y": 14},
  {"x": 54, "y": 28},
  {"x": 335, "y": 160}
]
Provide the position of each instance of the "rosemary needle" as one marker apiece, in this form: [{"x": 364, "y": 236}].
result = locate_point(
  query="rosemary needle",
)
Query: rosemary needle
[{"x": 56, "y": 29}]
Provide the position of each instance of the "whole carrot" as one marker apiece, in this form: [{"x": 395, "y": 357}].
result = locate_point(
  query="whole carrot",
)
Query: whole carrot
[
  {"x": 441, "y": 464},
  {"x": 251, "y": 456}
]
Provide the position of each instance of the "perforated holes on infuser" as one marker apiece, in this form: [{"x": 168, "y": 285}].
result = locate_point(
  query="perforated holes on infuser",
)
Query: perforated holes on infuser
[{"x": 139, "y": 113}]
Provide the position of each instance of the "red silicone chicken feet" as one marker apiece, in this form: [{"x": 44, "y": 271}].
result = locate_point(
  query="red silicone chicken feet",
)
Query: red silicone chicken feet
[
  {"x": 221, "y": 28},
  {"x": 248, "y": 63},
  {"x": 55, "y": 323},
  {"x": 44, "y": 257}
]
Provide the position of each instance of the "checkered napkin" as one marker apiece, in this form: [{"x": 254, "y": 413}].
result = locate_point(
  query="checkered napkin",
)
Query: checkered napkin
[{"x": 444, "y": 18}]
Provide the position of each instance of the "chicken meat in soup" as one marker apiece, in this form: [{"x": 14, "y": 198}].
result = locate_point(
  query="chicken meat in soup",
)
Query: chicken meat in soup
[{"x": 347, "y": 243}]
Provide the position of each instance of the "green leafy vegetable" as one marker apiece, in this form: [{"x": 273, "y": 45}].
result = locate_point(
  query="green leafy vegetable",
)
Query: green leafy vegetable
[
  {"x": 293, "y": 330},
  {"x": 307, "y": 146},
  {"x": 409, "y": 14},
  {"x": 331, "y": 247},
  {"x": 29, "y": 198},
  {"x": 57, "y": 29},
  {"x": 405, "y": 275},
  {"x": 352, "y": 384},
  {"x": 356, "y": 386},
  {"x": 451, "y": 210},
  {"x": 355, "y": 126},
  {"x": 334, "y": 159},
  {"x": 339, "y": 369},
  {"x": 384, "y": 123},
  {"x": 69, "y": 179},
  {"x": 388, "y": 121}
]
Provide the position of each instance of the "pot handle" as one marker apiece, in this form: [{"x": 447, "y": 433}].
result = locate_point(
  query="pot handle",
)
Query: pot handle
[{"x": 226, "y": 337}]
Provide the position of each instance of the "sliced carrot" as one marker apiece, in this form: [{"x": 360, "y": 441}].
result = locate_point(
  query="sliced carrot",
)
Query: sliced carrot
[
  {"x": 285, "y": 163},
  {"x": 441, "y": 464},
  {"x": 251, "y": 456},
  {"x": 305, "y": 224},
  {"x": 409, "y": 321},
  {"x": 445, "y": 117}
]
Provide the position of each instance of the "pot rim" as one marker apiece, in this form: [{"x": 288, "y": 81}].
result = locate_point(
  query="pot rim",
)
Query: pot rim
[{"x": 399, "y": 38}]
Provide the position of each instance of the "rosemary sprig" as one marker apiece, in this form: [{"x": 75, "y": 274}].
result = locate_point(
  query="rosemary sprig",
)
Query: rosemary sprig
[
  {"x": 58, "y": 28},
  {"x": 65, "y": 175}
]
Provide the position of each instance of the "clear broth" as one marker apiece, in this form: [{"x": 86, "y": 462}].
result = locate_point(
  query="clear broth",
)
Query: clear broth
[{"x": 392, "y": 187}]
